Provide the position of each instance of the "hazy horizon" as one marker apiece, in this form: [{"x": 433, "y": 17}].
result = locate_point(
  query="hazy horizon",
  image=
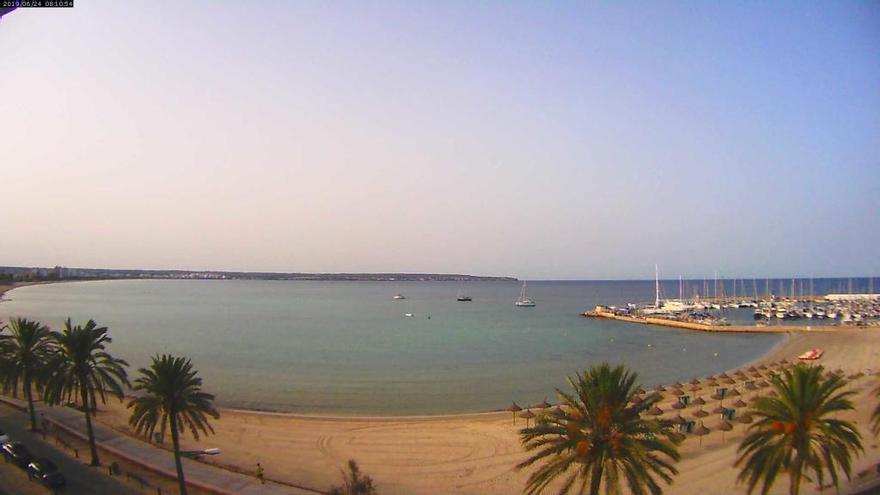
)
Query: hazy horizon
[{"x": 561, "y": 141}]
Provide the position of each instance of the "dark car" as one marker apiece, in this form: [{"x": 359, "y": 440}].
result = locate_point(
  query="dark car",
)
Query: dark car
[
  {"x": 46, "y": 473},
  {"x": 17, "y": 453}
]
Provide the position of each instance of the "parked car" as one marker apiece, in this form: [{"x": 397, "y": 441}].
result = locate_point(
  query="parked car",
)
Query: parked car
[
  {"x": 4, "y": 438},
  {"x": 17, "y": 453},
  {"x": 45, "y": 471}
]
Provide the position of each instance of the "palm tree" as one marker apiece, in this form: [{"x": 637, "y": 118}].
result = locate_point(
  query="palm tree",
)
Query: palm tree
[
  {"x": 797, "y": 432},
  {"x": 81, "y": 365},
  {"x": 599, "y": 438},
  {"x": 24, "y": 352},
  {"x": 354, "y": 483},
  {"x": 172, "y": 398}
]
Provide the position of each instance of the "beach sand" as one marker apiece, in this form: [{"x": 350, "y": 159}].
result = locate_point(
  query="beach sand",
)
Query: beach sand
[{"x": 476, "y": 453}]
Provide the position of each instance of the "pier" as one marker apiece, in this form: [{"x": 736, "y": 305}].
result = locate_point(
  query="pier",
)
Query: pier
[{"x": 708, "y": 327}]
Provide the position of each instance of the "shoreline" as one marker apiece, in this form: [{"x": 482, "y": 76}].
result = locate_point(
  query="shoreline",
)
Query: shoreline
[{"x": 700, "y": 327}]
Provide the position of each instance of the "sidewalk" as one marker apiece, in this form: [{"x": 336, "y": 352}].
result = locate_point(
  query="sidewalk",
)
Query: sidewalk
[{"x": 198, "y": 474}]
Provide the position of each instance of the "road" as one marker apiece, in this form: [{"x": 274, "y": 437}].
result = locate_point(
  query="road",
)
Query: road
[{"x": 81, "y": 478}]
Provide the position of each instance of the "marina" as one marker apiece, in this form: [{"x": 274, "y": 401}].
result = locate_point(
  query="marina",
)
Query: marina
[{"x": 772, "y": 313}]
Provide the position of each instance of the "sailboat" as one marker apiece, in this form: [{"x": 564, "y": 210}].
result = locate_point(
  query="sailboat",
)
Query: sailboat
[
  {"x": 399, "y": 294},
  {"x": 463, "y": 298},
  {"x": 523, "y": 301}
]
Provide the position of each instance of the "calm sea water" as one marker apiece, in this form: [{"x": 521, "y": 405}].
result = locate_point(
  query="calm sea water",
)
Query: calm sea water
[{"x": 346, "y": 347}]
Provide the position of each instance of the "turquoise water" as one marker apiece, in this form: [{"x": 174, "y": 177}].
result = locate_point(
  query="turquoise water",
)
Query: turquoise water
[{"x": 346, "y": 347}]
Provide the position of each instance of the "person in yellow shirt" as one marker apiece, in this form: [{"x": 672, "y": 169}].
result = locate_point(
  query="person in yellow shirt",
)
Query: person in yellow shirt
[{"x": 260, "y": 474}]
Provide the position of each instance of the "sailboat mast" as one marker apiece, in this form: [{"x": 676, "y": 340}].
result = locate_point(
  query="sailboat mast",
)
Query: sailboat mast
[
  {"x": 656, "y": 286},
  {"x": 679, "y": 288}
]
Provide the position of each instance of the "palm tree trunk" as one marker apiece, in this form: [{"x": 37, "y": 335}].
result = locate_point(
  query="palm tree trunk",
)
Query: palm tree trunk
[
  {"x": 175, "y": 439},
  {"x": 85, "y": 398},
  {"x": 30, "y": 399},
  {"x": 795, "y": 487}
]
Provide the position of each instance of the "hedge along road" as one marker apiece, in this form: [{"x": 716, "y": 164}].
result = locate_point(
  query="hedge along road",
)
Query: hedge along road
[{"x": 81, "y": 478}]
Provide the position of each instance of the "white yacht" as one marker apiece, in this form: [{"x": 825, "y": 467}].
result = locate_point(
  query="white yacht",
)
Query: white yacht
[{"x": 524, "y": 301}]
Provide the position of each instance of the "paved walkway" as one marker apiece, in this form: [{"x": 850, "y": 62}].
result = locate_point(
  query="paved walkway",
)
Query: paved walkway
[{"x": 197, "y": 473}]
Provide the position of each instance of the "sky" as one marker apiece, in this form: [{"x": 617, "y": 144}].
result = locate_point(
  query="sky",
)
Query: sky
[{"x": 542, "y": 140}]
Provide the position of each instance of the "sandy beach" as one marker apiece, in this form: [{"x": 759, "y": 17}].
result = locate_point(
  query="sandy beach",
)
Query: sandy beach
[{"x": 476, "y": 453}]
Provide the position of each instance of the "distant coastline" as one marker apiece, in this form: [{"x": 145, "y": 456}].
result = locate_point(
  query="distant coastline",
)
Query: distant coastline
[{"x": 39, "y": 274}]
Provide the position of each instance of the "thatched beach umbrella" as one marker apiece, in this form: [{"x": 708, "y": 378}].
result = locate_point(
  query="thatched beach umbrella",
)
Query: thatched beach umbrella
[
  {"x": 655, "y": 411},
  {"x": 719, "y": 410},
  {"x": 724, "y": 427},
  {"x": 694, "y": 388},
  {"x": 679, "y": 420},
  {"x": 751, "y": 386},
  {"x": 544, "y": 404},
  {"x": 723, "y": 375},
  {"x": 700, "y": 413},
  {"x": 701, "y": 431},
  {"x": 695, "y": 382},
  {"x": 762, "y": 367},
  {"x": 745, "y": 419},
  {"x": 856, "y": 376},
  {"x": 733, "y": 393},
  {"x": 660, "y": 388},
  {"x": 753, "y": 369},
  {"x": 739, "y": 403},
  {"x": 514, "y": 408},
  {"x": 677, "y": 405},
  {"x": 678, "y": 391},
  {"x": 772, "y": 393},
  {"x": 558, "y": 411},
  {"x": 729, "y": 381},
  {"x": 699, "y": 401},
  {"x": 762, "y": 384},
  {"x": 527, "y": 415}
]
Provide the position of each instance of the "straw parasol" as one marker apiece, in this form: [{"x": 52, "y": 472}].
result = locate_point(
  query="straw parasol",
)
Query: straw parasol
[
  {"x": 856, "y": 376},
  {"x": 679, "y": 420},
  {"x": 544, "y": 404},
  {"x": 739, "y": 403},
  {"x": 655, "y": 411},
  {"x": 772, "y": 393},
  {"x": 762, "y": 367},
  {"x": 724, "y": 375},
  {"x": 745, "y": 419},
  {"x": 719, "y": 410},
  {"x": 678, "y": 391},
  {"x": 678, "y": 385},
  {"x": 695, "y": 382},
  {"x": 514, "y": 408},
  {"x": 751, "y": 386},
  {"x": 729, "y": 381},
  {"x": 762, "y": 384},
  {"x": 660, "y": 388},
  {"x": 694, "y": 388},
  {"x": 699, "y": 401},
  {"x": 700, "y": 413},
  {"x": 527, "y": 415},
  {"x": 701, "y": 431},
  {"x": 558, "y": 411},
  {"x": 733, "y": 393},
  {"x": 724, "y": 427},
  {"x": 677, "y": 405},
  {"x": 753, "y": 369}
]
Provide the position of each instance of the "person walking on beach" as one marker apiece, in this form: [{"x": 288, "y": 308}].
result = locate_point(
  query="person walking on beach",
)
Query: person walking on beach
[{"x": 260, "y": 472}]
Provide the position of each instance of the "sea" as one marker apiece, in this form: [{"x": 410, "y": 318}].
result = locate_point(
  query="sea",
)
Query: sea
[{"x": 348, "y": 348}]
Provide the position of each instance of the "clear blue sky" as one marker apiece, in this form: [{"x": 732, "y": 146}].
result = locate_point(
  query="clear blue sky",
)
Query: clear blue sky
[{"x": 540, "y": 140}]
